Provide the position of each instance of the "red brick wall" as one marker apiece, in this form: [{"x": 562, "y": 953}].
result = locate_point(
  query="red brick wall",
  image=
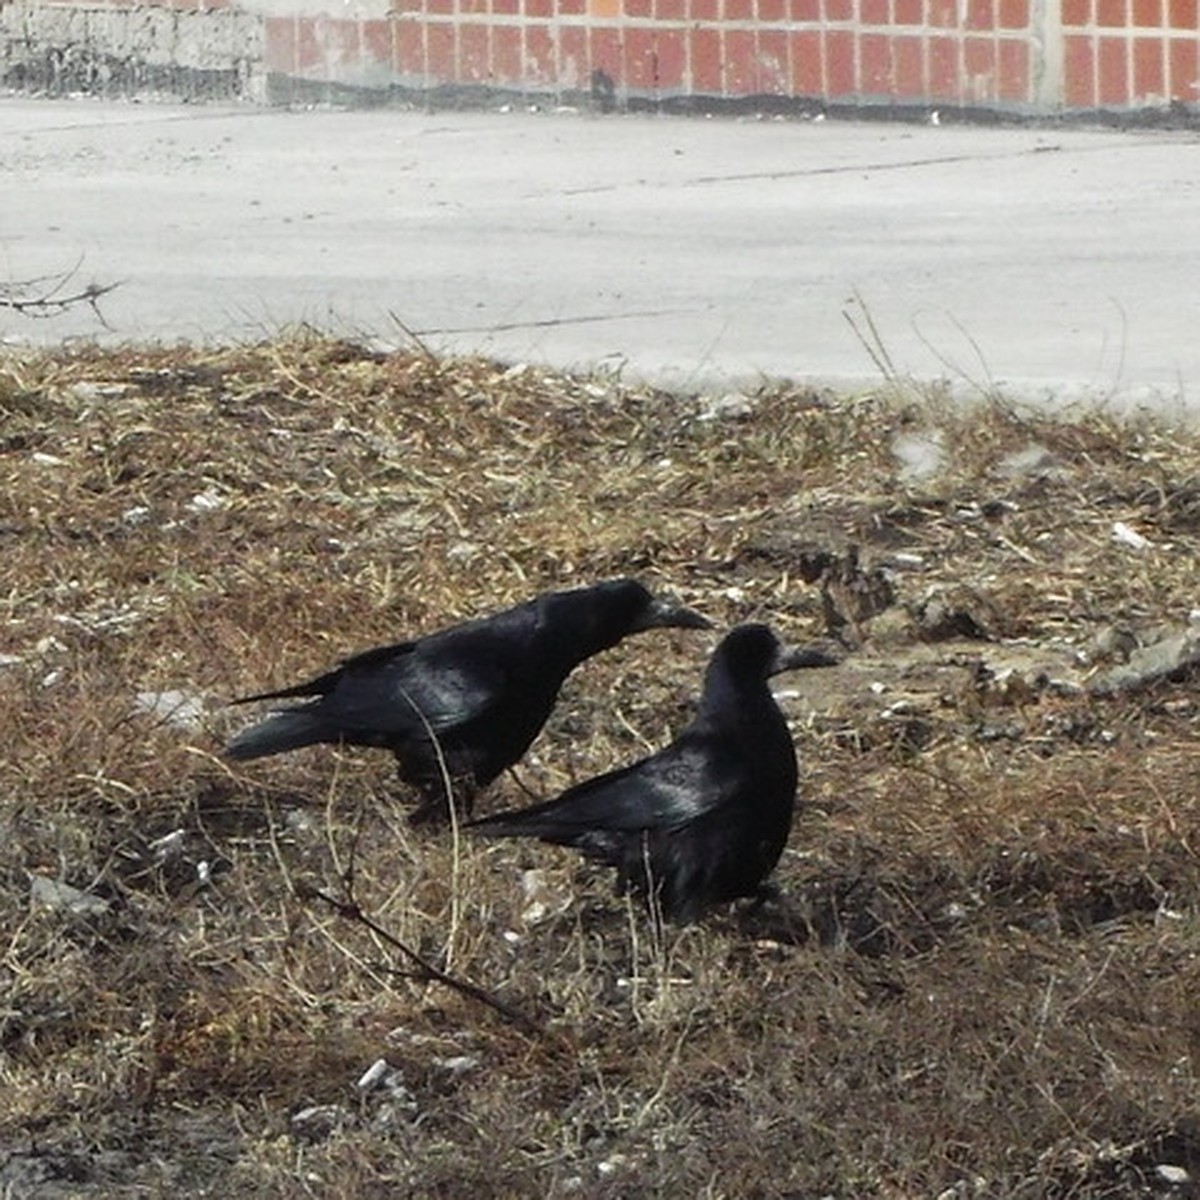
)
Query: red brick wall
[
  {"x": 1094, "y": 54},
  {"x": 1014, "y": 55},
  {"x": 973, "y": 52},
  {"x": 1121, "y": 53}
]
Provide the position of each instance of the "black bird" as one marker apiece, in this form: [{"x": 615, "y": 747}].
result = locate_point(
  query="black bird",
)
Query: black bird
[
  {"x": 464, "y": 703},
  {"x": 704, "y": 820}
]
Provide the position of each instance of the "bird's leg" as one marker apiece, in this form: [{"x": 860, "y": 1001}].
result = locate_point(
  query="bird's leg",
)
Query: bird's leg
[
  {"x": 434, "y": 808},
  {"x": 523, "y": 785}
]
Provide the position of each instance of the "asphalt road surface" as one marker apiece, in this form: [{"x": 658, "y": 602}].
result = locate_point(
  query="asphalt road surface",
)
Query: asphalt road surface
[{"x": 1039, "y": 260}]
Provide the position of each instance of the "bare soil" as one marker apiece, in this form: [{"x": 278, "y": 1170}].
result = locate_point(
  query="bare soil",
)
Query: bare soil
[{"x": 980, "y": 977}]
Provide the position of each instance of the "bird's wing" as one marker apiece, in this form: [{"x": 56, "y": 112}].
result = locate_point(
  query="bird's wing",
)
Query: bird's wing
[
  {"x": 437, "y": 684},
  {"x": 323, "y": 685},
  {"x": 696, "y": 774}
]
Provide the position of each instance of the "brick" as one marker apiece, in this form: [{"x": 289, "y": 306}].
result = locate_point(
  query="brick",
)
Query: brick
[
  {"x": 1149, "y": 70},
  {"x": 574, "y": 65},
  {"x": 376, "y": 41},
  {"x": 838, "y": 10},
  {"x": 875, "y": 65},
  {"x": 408, "y": 50},
  {"x": 604, "y": 51},
  {"x": 943, "y": 69},
  {"x": 737, "y": 10},
  {"x": 441, "y": 8},
  {"x": 506, "y": 62},
  {"x": 473, "y": 8},
  {"x": 1079, "y": 72},
  {"x": 639, "y": 10},
  {"x": 841, "y": 79},
  {"x": 774, "y": 70},
  {"x": 343, "y": 47},
  {"x": 704, "y": 55},
  {"x": 1076, "y": 14},
  {"x": 704, "y": 10},
  {"x": 908, "y": 12},
  {"x": 279, "y": 45},
  {"x": 1184, "y": 60},
  {"x": 537, "y": 10},
  {"x": 1012, "y": 71},
  {"x": 1183, "y": 15},
  {"x": 310, "y": 57},
  {"x": 1148, "y": 14},
  {"x": 539, "y": 54},
  {"x": 640, "y": 67},
  {"x": 571, "y": 8},
  {"x": 908, "y": 68},
  {"x": 439, "y": 52},
  {"x": 474, "y": 53},
  {"x": 804, "y": 10},
  {"x": 874, "y": 12},
  {"x": 741, "y": 65},
  {"x": 506, "y": 8},
  {"x": 808, "y": 78},
  {"x": 670, "y": 10},
  {"x": 979, "y": 69},
  {"x": 1112, "y": 73},
  {"x": 943, "y": 14},
  {"x": 603, "y": 10},
  {"x": 981, "y": 14},
  {"x": 1111, "y": 14},
  {"x": 671, "y": 59},
  {"x": 771, "y": 12},
  {"x": 1014, "y": 14}
]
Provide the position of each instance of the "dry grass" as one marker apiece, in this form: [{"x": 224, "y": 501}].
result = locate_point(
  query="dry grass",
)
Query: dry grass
[{"x": 982, "y": 979}]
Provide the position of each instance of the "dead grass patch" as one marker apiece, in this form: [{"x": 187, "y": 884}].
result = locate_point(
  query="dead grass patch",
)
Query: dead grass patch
[{"x": 980, "y": 979}]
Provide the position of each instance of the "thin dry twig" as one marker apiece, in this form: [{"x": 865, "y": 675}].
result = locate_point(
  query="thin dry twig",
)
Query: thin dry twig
[
  {"x": 47, "y": 295},
  {"x": 352, "y": 911}
]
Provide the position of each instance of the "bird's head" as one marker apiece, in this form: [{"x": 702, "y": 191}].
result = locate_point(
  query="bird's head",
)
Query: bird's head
[
  {"x": 756, "y": 651},
  {"x": 648, "y": 611}
]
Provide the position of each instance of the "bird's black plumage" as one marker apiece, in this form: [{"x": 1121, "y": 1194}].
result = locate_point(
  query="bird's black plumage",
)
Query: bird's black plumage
[
  {"x": 466, "y": 702},
  {"x": 704, "y": 820}
]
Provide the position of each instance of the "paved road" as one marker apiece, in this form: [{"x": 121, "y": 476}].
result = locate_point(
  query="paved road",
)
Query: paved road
[{"x": 681, "y": 249}]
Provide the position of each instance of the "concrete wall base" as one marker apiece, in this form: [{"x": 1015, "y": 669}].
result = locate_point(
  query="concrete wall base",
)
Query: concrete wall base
[{"x": 56, "y": 51}]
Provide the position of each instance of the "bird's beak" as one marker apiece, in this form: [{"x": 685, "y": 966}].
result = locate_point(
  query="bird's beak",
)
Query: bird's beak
[
  {"x": 670, "y": 614},
  {"x": 811, "y": 654}
]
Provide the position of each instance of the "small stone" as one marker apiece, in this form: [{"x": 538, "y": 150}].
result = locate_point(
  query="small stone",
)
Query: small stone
[
  {"x": 920, "y": 455},
  {"x": 1172, "y": 1174},
  {"x": 168, "y": 846},
  {"x": 374, "y": 1075},
  {"x": 206, "y": 502},
  {"x": 1035, "y": 460},
  {"x": 733, "y": 406},
  {"x": 53, "y": 893},
  {"x": 1148, "y": 664},
  {"x": 318, "y": 1121},
  {"x": 458, "y": 1064},
  {"x": 1126, "y": 535},
  {"x": 184, "y": 710}
]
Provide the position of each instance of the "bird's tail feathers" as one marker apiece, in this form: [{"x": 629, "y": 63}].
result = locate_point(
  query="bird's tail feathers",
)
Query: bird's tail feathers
[
  {"x": 286, "y": 730},
  {"x": 320, "y": 686},
  {"x": 522, "y": 824}
]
